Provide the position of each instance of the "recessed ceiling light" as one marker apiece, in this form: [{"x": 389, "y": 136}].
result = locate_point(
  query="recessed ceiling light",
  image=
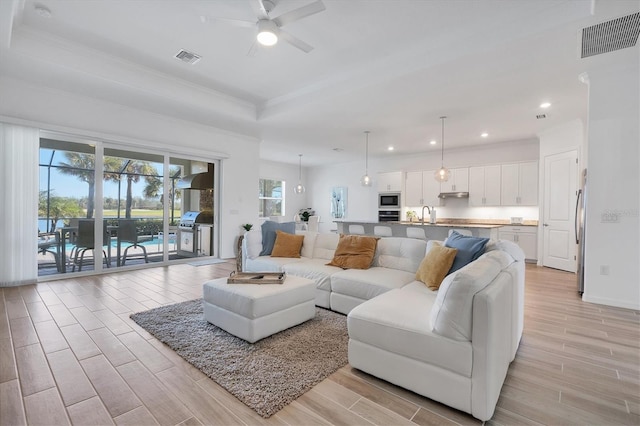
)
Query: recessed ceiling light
[
  {"x": 433, "y": 142},
  {"x": 484, "y": 135},
  {"x": 545, "y": 105},
  {"x": 390, "y": 148}
]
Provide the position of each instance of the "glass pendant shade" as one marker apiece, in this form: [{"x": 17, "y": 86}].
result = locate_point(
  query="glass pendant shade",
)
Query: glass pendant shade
[
  {"x": 299, "y": 189},
  {"x": 366, "y": 180},
  {"x": 443, "y": 174}
]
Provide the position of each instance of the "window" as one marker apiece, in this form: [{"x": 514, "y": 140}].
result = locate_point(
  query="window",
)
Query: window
[{"x": 271, "y": 198}]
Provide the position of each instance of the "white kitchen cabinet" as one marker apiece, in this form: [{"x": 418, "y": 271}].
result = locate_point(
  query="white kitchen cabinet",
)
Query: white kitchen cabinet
[
  {"x": 390, "y": 182},
  {"x": 484, "y": 186},
  {"x": 524, "y": 236},
  {"x": 421, "y": 189},
  {"x": 458, "y": 181},
  {"x": 519, "y": 184}
]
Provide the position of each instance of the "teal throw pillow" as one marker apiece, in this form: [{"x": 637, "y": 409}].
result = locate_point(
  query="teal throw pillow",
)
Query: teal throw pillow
[
  {"x": 469, "y": 249},
  {"x": 269, "y": 229}
]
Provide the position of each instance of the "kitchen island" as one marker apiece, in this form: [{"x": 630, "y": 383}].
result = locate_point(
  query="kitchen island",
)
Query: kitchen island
[{"x": 437, "y": 231}]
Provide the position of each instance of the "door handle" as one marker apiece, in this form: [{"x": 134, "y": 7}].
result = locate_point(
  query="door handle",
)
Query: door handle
[
  {"x": 545, "y": 224},
  {"x": 575, "y": 222}
]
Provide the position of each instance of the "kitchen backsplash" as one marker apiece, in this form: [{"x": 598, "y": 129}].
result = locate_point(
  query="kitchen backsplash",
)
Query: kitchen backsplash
[{"x": 459, "y": 209}]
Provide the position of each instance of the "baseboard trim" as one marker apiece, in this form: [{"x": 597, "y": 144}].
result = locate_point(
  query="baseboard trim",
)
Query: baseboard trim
[{"x": 610, "y": 302}]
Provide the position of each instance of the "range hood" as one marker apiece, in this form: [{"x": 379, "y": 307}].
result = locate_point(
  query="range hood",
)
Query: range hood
[
  {"x": 197, "y": 180},
  {"x": 453, "y": 195}
]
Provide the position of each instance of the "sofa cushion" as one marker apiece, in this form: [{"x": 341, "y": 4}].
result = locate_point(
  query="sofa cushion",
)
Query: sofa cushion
[
  {"x": 325, "y": 245},
  {"x": 435, "y": 266},
  {"x": 404, "y": 254},
  {"x": 313, "y": 269},
  {"x": 469, "y": 249},
  {"x": 451, "y": 315},
  {"x": 268, "y": 263},
  {"x": 354, "y": 252},
  {"x": 253, "y": 242},
  {"x": 287, "y": 245},
  {"x": 368, "y": 283},
  {"x": 398, "y": 322},
  {"x": 509, "y": 246},
  {"x": 269, "y": 234},
  {"x": 308, "y": 243}
]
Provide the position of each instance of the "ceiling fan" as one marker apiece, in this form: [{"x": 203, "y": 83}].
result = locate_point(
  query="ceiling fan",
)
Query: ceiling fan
[{"x": 270, "y": 29}]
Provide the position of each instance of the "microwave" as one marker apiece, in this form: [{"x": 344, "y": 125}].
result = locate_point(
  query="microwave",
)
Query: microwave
[{"x": 389, "y": 200}]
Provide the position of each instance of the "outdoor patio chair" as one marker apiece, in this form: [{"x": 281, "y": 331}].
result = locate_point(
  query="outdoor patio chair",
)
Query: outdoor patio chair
[
  {"x": 128, "y": 233},
  {"x": 85, "y": 240},
  {"x": 49, "y": 242}
]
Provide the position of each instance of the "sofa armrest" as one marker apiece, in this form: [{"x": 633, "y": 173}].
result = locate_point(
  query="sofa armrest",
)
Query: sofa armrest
[{"x": 491, "y": 344}]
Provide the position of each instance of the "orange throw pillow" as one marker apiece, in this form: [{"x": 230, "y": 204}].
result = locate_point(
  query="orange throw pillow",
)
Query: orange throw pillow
[
  {"x": 435, "y": 266},
  {"x": 287, "y": 245},
  {"x": 354, "y": 252}
]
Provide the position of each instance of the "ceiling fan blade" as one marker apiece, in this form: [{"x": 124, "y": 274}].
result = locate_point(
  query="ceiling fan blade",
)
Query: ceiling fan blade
[
  {"x": 235, "y": 22},
  {"x": 259, "y": 9},
  {"x": 295, "y": 41},
  {"x": 302, "y": 12},
  {"x": 254, "y": 49}
]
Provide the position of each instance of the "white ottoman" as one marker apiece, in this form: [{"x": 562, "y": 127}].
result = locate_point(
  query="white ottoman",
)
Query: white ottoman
[{"x": 255, "y": 311}]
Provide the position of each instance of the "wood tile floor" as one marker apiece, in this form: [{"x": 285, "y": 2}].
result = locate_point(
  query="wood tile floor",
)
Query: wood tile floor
[{"x": 70, "y": 354}]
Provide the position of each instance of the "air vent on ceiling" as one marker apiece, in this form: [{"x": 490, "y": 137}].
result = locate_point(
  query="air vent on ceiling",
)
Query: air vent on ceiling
[
  {"x": 188, "y": 57},
  {"x": 611, "y": 35}
]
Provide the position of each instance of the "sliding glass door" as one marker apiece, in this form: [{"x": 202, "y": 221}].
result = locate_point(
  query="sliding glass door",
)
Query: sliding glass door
[{"x": 140, "y": 197}]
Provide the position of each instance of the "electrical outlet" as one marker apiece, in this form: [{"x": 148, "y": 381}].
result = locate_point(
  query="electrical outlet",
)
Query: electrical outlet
[{"x": 604, "y": 269}]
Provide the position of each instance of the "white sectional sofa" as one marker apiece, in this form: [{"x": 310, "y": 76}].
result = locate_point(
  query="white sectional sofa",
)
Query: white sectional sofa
[{"x": 453, "y": 345}]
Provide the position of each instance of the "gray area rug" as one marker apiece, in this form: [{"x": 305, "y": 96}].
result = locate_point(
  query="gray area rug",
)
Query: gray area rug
[{"x": 266, "y": 375}]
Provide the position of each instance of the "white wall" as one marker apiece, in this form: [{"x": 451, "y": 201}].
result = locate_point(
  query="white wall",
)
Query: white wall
[
  {"x": 362, "y": 202},
  {"x": 612, "y": 266},
  {"x": 289, "y": 173},
  {"x": 63, "y": 112}
]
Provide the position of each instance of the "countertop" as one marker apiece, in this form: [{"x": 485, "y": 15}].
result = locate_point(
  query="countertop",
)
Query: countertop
[{"x": 457, "y": 223}]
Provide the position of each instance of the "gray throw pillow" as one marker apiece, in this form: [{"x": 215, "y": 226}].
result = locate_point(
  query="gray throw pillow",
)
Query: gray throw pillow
[
  {"x": 269, "y": 234},
  {"x": 469, "y": 249}
]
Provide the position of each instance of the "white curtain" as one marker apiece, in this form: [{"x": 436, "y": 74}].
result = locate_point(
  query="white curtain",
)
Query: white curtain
[{"x": 19, "y": 187}]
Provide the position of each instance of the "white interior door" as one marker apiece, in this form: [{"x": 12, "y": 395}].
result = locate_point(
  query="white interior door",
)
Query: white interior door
[{"x": 560, "y": 194}]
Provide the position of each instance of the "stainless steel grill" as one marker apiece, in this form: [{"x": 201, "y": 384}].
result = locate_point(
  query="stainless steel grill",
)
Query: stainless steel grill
[{"x": 194, "y": 234}]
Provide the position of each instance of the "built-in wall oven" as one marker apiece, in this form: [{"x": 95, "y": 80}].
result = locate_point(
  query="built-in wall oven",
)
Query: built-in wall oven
[
  {"x": 389, "y": 200},
  {"x": 388, "y": 215}
]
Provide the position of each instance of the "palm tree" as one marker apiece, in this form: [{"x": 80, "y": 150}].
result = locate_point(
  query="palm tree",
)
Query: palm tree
[
  {"x": 117, "y": 168},
  {"x": 154, "y": 186},
  {"x": 81, "y": 166},
  {"x": 55, "y": 208}
]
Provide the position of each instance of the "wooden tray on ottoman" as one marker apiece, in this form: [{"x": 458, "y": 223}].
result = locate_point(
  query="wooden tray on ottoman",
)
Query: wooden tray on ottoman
[{"x": 256, "y": 278}]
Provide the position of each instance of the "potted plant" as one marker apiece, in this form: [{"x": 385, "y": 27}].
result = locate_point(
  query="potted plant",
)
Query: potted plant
[
  {"x": 305, "y": 214},
  {"x": 247, "y": 226}
]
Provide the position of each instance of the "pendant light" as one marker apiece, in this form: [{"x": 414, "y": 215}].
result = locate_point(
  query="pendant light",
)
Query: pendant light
[
  {"x": 443, "y": 174},
  {"x": 299, "y": 189},
  {"x": 366, "y": 179}
]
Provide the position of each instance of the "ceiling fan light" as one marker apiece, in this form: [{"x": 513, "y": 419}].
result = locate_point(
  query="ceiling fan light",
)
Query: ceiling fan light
[{"x": 267, "y": 32}]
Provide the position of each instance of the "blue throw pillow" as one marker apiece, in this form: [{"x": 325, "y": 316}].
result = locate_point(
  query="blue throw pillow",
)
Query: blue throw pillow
[
  {"x": 269, "y": 234},
  {"x": 469, "y": 249}
]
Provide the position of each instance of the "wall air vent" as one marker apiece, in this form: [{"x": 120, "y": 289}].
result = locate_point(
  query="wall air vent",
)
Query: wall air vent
[
  {"x": 608, "y": 36},
  {"x": 188, "y": 57}
]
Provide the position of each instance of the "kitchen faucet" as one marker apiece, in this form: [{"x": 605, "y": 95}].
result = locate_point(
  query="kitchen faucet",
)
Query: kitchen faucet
[{"x": 428, "y": 208}]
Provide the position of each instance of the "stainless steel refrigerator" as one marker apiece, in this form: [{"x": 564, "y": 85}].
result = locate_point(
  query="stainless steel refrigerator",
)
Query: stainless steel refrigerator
[{"x": 580, "y": 223}]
